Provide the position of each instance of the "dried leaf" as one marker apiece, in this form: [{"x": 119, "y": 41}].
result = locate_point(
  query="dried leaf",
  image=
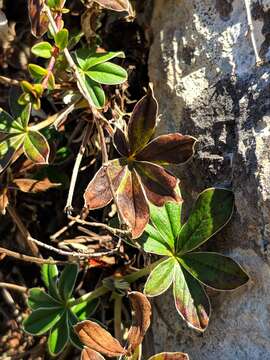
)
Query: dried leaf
[
  {"x": 33, "y": 186},
  {"x": 116, "y": 5},
  {"x": 140, "y": 320},
  {"x": 96, "y": 338},
  {"x": 170, "y": 356},
  {"x": 132, "y": 202},
  {"x": 98, "y": 193},
  {"x": 142, "y": 123},
  {"x": 168, "y": 149},
  {"x": 89, "y": 354},
  {"x": 159, "y": 184},
  {"x": 38, "y": 19}
]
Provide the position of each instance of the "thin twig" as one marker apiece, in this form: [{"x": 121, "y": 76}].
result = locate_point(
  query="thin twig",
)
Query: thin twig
[
  {"x": 113, "y": 231},
  {"x": 25, "y": 233},
  {"x": 80, "y": 255},
  {"x": 251, "y": 32},
  {"x": 87, "y": 133},
  {"x": 15, "y": 287},
  {"x": 63, "y": 229},
  {"x": 9, "y": 82},
  {"x": 30, "y": 259}
]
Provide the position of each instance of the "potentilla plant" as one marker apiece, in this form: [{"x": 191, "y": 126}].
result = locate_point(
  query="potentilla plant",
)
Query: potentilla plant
[
  {"x": 138, "y": 177},
  {"x": 188, "y": 270}
]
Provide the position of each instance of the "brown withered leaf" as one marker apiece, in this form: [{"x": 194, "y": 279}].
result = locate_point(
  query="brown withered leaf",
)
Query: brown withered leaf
[
  {"x": 96, "y": 338},
  {"x": 33, "y": 186},
  {"x": 3, "y": 201},
  {"x": 141, "y": 319},
  {"x": 139, "y": 172},
  {"x": 89, "y": 354},
  {"x": 39, "y": 20},
  {"x": 116, "y": 5},
  {"x": 170, "y": 356}
]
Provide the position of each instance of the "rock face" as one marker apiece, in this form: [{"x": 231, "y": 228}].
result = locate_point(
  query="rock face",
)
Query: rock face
[{"x": 202, "y": 65}]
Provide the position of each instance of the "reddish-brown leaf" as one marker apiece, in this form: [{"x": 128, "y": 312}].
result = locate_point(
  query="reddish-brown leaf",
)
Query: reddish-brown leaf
[
  {"x": 120, "y": 142},
  {"x": 33, "y": 186},
  {"x": 132, "y": 203},
  {"x": 3, "y": 201},
  {"x": 96, "y": 338},
  {"x": 141, "y": 319},
  {"x": 98, "y": 193},
  {"x": 142, "y": 123},
  {"x": 116, "y": 5},
  {"x": 159, "y": 184},
  {"x": 89, "y": 354},
  {"x": 168, "y": 149},
  {"x": 170, "y": 356},
  {"x": 38, "y": 19}
]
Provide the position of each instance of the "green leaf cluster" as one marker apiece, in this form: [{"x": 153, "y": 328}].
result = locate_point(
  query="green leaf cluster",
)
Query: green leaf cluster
[
  {"x": 189, "y": 271},
  {"x": 51, "y": 311},
  {"x": 15, "y": 134},
  {"x": 96, "y": 70}
]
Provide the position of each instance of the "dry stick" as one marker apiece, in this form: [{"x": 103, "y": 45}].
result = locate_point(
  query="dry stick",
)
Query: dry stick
[
  {"x": 96, "y": 114},
  {"x": 74, "y": 253},
  {"x": 87, "y": 133},
  {"x": 114, "y": 231},
  {"x": 251, "y": 32},
  {"x": 25, "y": 233},
  {"x": 63, "y": 229},
  {"x": 15, "y": 287},
  {"x": 30, "y": 259}
]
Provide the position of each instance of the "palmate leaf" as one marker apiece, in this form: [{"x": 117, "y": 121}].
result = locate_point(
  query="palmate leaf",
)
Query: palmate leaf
[
  {"x": 38, "y": 298},
  {"x": 214, "y": 270},
  {"x": 85, "y": 309},
  {"x": 212, "y": 210},
  {"x": 36, "y": 147},
  {"x": 8, "y": 149},
  {"x": 49, "y": 275},
  {"x": 95, "y": 92},
  {"x": 160, "y": 278},
  {"x": 67, "y": 281},
  {"x": 59, "y": 335},
  {"x": 191, "y": 301},
  {"x": 42, "y": 320}
]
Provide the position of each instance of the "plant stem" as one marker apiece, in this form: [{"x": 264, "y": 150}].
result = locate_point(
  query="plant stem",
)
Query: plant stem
[
  {"x": 102, "y": 290},
  {"x": 15, "y": 287},
  {"x": 251, "y": 33},
  {"x": 118, "y": 317}
]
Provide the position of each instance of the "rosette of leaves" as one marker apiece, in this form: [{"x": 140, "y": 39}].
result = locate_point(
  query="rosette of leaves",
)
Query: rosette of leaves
[
  {"x": 138, "y": 177},
  {"x": 16, "y": 137},
  {"x": 187, "y": 270},
  {"x": 51, "y": 311},
  {"x": 96, "y": 70}
]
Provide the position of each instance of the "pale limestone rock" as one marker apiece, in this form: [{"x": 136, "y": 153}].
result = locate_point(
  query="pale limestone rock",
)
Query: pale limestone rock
[{"x": 202, "y": 66}]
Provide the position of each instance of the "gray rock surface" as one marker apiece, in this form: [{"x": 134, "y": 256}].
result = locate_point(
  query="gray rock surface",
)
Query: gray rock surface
[{"x": 203, "y": 68}]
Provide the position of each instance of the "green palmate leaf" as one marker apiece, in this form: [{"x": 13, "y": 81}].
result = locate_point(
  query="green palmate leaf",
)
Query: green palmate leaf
[
  {"x": 217, "y": 271},
  {"x": 42, "y": 49},
  {"x": 160, "y": 278},
  {"x": 190, "y": 299},
  {"x": 61, "y": 39},
  {"x": 6, "y": 122},
  {"x": 67, "y": 280},
  {"x": 153, "y": 242},
  {"x": 37, "y": 72},
  {"x": 49, "y": 275},
  {"x": 85, "y": 309},
  {"x": 74, "y": 339},
  {"x": 170, "y": 356},
  {"x": 96, "y": 92},
  {"x": 38, "y": 298},
  {"x": 8, "y": 149},
  {"x": 42, "y": 320},
  {"x": 87, "y": 58},
  {"x": 107, "y": 73},
  {"x": 213, "y": 209},
  {"x": 59, "y": 336},
  {"x": 36, "y": 147}
]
